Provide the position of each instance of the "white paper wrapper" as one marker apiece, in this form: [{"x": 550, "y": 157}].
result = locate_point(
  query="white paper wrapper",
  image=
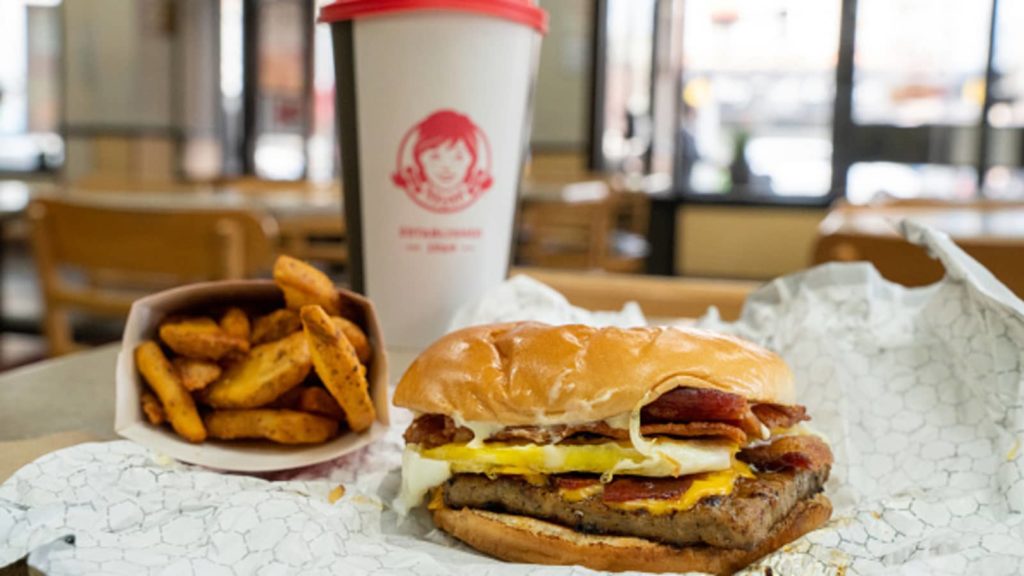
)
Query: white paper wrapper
[{"x": 920, "y": 392}]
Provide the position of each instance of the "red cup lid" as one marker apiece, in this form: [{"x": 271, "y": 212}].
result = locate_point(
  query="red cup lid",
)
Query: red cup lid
[{"x": 521, "y": 11}]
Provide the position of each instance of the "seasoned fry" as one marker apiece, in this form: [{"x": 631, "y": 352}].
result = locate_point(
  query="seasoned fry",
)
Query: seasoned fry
[
  {"x": 269, "y": 371},
  {"x": 177, "y": 401},
  {"x": 312, "y": 399},
  {"x": 200, "y": 338},
  {"x": 303, "y": 285},
  {"x": 196, "y": 374},
  {"x": 336, "y": 363},
  {"x": 355, "y": 336},
  {"x": 282, "y": 426},
  {"x": 316, "y": 400},
  {"x": 276, "y": 325},
  {"x": 337, "y": 493},
  {"x": 290, "y": 400},
  {"x": 152, "y": 408},
  {"x": 228, "y": 371},
  {"x": 235, "y": 323}
]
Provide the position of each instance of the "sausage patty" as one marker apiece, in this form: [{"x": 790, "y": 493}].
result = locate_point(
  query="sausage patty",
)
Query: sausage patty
[{"x": 739, "y": 520}]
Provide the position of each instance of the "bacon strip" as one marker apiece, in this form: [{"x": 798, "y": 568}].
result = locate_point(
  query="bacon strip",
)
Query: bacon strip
[
  {"x": 695, "y": 405},
  {"x": 534, "y": 434},
  {"x": 695, "y": 430},
  {"x": 626, "y": 489},
  {"x": 574, "y": 482},
  {"x": 682, "y": 412},
  {"x": 789, "y": 453},
  {"x": 704, "y": 405},
  {"x": 569, "y": 434},
  {"x": 780, "y": 415},
  {"x": 432, "y": 430}
]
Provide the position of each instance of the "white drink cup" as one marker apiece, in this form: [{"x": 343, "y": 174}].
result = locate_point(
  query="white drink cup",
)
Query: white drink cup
[{"x": 434, "y": 102}]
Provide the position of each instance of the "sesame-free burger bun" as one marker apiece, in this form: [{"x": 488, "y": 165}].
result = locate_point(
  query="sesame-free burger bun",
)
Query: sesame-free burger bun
[{"x": 528, "y": 373}]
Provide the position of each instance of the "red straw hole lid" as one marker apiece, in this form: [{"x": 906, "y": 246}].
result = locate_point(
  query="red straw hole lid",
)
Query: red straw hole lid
[{"x": 521, "y": 11}]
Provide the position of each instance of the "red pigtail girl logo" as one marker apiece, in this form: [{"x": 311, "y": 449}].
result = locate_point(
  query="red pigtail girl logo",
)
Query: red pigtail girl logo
[{"x": 444, "y": 162}]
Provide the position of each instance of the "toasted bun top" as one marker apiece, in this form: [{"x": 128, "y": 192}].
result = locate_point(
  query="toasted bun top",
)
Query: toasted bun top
[{"x": 534, "y": 374}]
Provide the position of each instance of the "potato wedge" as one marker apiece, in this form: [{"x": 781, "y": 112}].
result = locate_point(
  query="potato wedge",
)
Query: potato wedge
[
  {"x": 303, "y": 285},
  {"x": 276, "y": 325},
  {"x": 316, "y": 400},
  {"x": 235, "y": 322},
  {"x": 152, "y": 408},
  {"x": 312, "y": 399},
  {"x": 196, "y": 374},
  {"x": 355, "y": 336},
  {"x": 266, "y": 373},
  {"x": 178, "y": 405},
  {"x": 339, "y": 369},
  {"x": 200, "y": 338},
  {"x": 289, "y": 400},
  {"x": 281, "y": 426}
]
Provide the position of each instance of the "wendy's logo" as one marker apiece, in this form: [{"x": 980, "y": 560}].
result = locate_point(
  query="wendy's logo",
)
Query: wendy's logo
[{"x": 444, "y": 162}]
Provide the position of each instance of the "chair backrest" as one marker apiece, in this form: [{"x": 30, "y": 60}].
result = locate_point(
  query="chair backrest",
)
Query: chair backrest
[
  {"x": 315, "y": 236},
  {"x": 185, "y": 243},
  {"x": 554, "y": 234},
  {"x": 138, "y": 247},
  {"x": 565, "y": 224},
  {"x": 659, "y": 297},
  {"x": 992, "y": 236}
]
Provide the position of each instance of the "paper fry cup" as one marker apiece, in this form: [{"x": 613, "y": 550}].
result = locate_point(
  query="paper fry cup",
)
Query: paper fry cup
[{"x": 239, "y": 456}]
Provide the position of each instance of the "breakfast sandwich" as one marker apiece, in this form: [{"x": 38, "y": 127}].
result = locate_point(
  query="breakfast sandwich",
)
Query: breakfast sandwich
[{"x": 655, "y": 449}]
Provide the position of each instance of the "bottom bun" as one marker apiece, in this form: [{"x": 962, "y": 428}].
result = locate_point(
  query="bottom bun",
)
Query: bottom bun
[{"x": 529, "y": 540}]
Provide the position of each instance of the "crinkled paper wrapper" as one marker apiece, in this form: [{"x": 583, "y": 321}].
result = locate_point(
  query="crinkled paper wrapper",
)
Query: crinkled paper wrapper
[{"x": 919, "y": 391}]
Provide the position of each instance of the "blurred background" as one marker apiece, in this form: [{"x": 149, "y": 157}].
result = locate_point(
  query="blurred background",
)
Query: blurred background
[{"x": 682, "y": 152}]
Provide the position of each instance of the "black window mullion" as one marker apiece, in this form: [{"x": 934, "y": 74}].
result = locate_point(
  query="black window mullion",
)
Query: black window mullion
[
  {"x": 984, "y": 130},
  {"x": 842, "y": 115}
]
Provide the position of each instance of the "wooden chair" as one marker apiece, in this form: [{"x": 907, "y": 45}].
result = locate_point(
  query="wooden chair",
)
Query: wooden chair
[
  {"x": 318, "y": 236},
  {"x": 565, "y": 225},
  {"x": 660, "y": 297},
  {"x": 563, "y": 235},
  {"x": 628, "y": 246},
  {"x": 121, "y": 253},
  {"x": 851, "y": 234}
]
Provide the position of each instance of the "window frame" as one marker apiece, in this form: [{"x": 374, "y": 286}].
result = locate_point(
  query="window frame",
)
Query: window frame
[{"x": 851, "y": 142}]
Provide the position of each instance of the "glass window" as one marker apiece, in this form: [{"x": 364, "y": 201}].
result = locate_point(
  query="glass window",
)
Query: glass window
[
  {"x": 627, "y": 94},
  {"x": 282, "y": 108},
  {"x": 30, "y": 103},
  {"x": 757, "y": 97},
  {"x": 232, "y": 82},
  {"x": 1005, "y": 178},
  {"x": 878, "y": 182},
  {"x": 920, "y": 62},
  {"x": 322, "y": 141}
]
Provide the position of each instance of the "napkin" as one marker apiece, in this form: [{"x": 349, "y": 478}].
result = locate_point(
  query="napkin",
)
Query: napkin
[{"x": 920, "y": 392}]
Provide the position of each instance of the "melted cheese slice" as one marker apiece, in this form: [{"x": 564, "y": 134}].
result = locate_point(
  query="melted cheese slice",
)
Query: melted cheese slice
[
  {"x": 425, "y": 469},
  {"x": 719, "y": 483}
]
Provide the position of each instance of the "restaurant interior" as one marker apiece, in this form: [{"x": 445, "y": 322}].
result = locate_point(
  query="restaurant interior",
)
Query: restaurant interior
[
  {"x": 329, "y": 286},
  {"x": 682, "y": 152}
]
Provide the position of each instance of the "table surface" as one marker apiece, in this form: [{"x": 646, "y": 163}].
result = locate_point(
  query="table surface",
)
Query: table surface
[
  {"x": 73, "y": 392},
  {"x": 282, "y": 202},
  {"x": 16, "y": 195}
]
